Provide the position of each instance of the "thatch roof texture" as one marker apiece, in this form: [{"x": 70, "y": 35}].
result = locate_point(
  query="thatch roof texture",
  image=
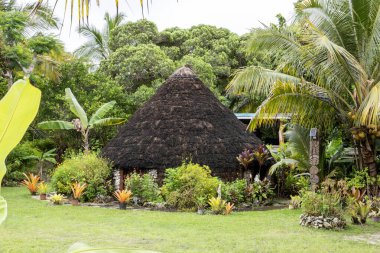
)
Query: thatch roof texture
[{"x": 183, "y": 120}]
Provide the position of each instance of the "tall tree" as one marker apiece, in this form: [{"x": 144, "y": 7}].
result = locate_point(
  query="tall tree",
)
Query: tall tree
[
  {"x": 329, "y": 73},
  {"x": 23, "y": 46},
  {"x": 97, "y": 46}
]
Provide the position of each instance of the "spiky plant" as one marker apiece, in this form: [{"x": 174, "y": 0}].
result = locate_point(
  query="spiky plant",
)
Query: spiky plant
[
  {"x": 31, "y": 182},
  {"x": 78, "y": 189},
  {"x": 123, "y": 196}
]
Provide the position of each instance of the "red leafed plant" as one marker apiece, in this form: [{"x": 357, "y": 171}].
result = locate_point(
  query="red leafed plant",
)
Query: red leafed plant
[
  {"x": 77, "y": 189},
  {"x": 31, "y": 182}
]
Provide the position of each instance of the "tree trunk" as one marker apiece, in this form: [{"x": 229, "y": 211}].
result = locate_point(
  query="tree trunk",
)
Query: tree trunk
[
  {"x": 27, "y": 71},
  {"x": 367, "y": 150},
  {"x": 86, "y": 144},
  {"x": 9, "y": 75},
  {"x": 281, "y": 138}
]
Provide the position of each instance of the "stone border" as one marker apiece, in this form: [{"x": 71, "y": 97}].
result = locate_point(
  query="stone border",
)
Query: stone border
[{"x": 322, "y": 222}]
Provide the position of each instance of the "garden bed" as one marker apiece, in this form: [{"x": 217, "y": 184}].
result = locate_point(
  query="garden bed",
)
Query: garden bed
[{"x": 275, "y": 205}]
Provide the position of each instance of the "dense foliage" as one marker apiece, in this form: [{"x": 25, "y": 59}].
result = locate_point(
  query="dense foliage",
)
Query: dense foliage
[
  {"x": 185, "y": 184},
  {"x": 17, "y": 163},
  {"x": 89, "y": 169},
  {"x": 143, "y": 187},
  {"x": 326, "y": 77}
]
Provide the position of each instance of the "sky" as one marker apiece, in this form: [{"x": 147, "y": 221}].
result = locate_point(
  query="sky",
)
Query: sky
[{"x": 239, "y": 16}]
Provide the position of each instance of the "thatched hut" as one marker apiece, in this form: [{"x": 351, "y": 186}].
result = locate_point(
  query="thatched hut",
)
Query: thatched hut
[{"x": 183, "y": 120}]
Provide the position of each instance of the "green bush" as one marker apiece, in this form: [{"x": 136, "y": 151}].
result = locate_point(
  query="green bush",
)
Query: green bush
[
  {"x": 260, "y": 192},
  {"x": 143, "y": 186},
  {"x": 89, "y": 169},
  {"x": 235, "y": 191},
  {"x": 326, "y": 205},
  {"x": 359, "y": 179},
  {"x": 17, "y": 163},
  {"x": 296, "y": 184},
  {"x": 185, "y": 184}
]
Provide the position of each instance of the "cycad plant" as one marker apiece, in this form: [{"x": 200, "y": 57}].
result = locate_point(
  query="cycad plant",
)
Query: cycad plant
[
  {"x": 328, "y": 72},
  {"x": 82, "y": 124}
]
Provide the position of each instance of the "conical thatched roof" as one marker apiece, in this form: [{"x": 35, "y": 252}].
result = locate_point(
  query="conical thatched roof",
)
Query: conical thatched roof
[{"x": 182, "y": 120}]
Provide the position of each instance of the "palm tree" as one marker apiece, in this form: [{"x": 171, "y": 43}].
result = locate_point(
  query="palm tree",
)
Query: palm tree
[
  {"x": 296, "y": 152},
  {"x": 97, "y": 45},
  {"x": 82, "y": 124},
  {"x": 48, "y": 156},
  {"x": 329, "y": 71},
  {"x": 83, "y": 7}
]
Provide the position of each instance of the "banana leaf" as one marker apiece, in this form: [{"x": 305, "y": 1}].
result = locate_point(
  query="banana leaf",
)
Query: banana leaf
[
  {"x": 99, "y": 114},
  {"x": 18, "y": 109}
]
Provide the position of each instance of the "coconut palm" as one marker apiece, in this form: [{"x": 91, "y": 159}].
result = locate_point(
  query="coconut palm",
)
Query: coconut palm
[
  {"x": 82, "y": 124},
  {"x": 329, "y": 71},
  {"x": 83, "y": 7},
  {"x": 97, "y": 45}
]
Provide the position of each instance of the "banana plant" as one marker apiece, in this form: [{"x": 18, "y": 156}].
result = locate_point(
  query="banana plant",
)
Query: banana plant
[
  {"x": 82, "y": 124},
  {"x": 18, "y": 109}
]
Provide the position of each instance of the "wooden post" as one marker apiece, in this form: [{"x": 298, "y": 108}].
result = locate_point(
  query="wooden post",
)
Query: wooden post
[
  {"x": 314, "y": 158},
  {"x": 121, "y": 182}
]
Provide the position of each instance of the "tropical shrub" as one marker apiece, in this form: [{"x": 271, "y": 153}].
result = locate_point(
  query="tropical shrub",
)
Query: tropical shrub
[
  {"x": 359, "y": 206},
  {"x": 326, "y": 205},
  {"x": 359, "y": 179},
  {"x": 295, "y": 184},
  {"x": 183, "y": 185},
  {"x": 217, "y": 205},
  {"x": 31, "y": 182},
  {"x": 201, "y": 203},
  {"x": 359, "y": 211},
  {"x": 17, "y": 164},
  {"x": 333, "y": 186},
  {"x": 228, "y": 208},
  {"x": 260, "y": 192},
  {"x": 295, "y": 202},
  {"x": 123, "y": 196},
  {"x": 143, "y": 187},
  {"x": 235, "y": 191},
  {"x": 57, "y": 199},
  {"x": 78, "y": 189},
  {"x": 42, "y": 188},
  {"x": 89, "y": 169}
]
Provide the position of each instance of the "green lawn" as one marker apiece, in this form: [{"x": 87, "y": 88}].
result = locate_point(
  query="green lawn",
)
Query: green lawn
[{"x": 35, "y": 226}]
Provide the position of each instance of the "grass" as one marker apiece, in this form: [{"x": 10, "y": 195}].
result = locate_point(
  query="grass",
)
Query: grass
[{"x": 36, "y": 226}]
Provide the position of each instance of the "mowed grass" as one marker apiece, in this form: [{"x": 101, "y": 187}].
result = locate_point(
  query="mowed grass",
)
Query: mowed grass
[{"x": 36, "y": 226}]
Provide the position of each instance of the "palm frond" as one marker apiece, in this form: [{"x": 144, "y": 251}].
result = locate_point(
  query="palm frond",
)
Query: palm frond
[
  {"x": 369, "y": 110},
  {"x": 306, "y": 104},
  {"x": 328, "y": 55},
  {"x": 256, "y": 81},
  {"x": 286, "y": 161},
  {"x": 299, "y": 145}
]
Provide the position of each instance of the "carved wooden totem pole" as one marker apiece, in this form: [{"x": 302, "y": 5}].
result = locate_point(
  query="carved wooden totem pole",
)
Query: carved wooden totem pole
[{"x": 314, "y": 158}]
